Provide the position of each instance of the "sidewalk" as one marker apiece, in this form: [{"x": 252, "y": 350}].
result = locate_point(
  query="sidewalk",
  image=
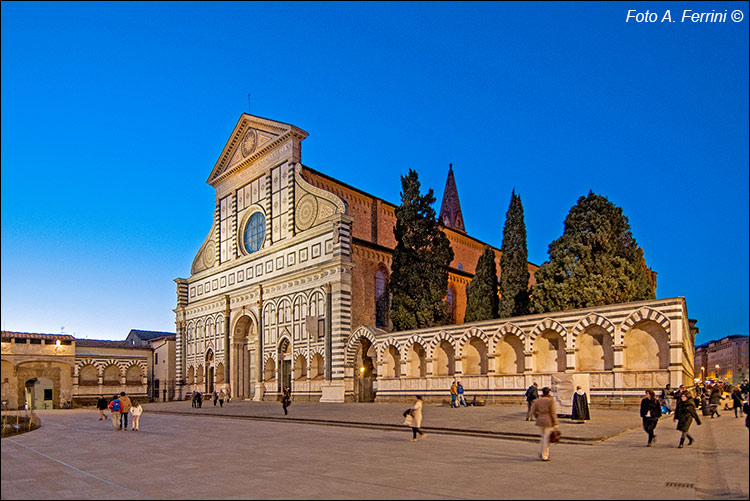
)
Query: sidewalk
[{"x": 490, "y": 421}]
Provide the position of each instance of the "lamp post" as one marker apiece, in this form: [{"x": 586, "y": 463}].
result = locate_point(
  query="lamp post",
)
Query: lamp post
[{"x": 717, "y": 371}]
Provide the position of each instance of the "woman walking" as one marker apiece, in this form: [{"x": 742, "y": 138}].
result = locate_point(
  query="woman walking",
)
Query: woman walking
[
  {"x": 684, "y": 415},
  {"x": 650, "y": 412},
  {"x": 715, "y": 400},
  {"x": 416, "y": 419},
  {"x": 136, "y": 410}
]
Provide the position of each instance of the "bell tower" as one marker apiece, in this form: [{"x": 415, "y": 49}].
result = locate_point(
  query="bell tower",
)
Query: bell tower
[{"x": 450, "y": 209}]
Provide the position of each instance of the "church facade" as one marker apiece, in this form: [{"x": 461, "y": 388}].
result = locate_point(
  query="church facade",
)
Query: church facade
[{"x": 289, "y": 289}]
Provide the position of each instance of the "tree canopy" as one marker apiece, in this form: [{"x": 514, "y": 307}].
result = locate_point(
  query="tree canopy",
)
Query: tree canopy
[
  {"x": 419, "y": 272},
  {"x": 596, "y": 261}
]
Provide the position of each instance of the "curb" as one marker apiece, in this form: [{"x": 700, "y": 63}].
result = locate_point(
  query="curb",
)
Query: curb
[{"x": 525, "y": 437}]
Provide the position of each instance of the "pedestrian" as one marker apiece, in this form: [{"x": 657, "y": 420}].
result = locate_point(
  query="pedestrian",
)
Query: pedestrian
[
  {"x": 115, "y": 406},
  {"x": 666, "y": 398},
  {"x": 101, "y": 404},
  {"x": 737, "y": 401},
  {"x": 286, "y": 399},
  {"x": 192, "y": 399},
  {"x": 580, "y": 406},
  {"x": 221, "y": 398},
  {"x": 745, "y": 388},
  {"x": 136, "y": 410},
  {"x": 746, "y": 410},
  {"x": 125, "y": 407},
  {"x": 715, "y": 400},
  {"x": 416, "y": 419},
  {"x": 544, "y": 412},
  {"x": 684, "y": 415},
  {"x": 199, "y": 400},
  {"x": 650, "y": 412},
  {"x": 214, "y": 397},
  {"x": 460, "y": 391},
  {"x": 454, "y": 394},
  {"x": 532, "y": 393}
]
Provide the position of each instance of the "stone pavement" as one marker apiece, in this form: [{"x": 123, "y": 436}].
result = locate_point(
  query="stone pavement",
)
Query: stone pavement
[
  {"x": 201, "y": 456},
  {"x": 492, "y": 421}
]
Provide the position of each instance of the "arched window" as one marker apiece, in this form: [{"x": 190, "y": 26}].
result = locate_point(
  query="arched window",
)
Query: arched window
[
  {"x": 451, "y": 300},
  {"x": 381, "y": 297}
]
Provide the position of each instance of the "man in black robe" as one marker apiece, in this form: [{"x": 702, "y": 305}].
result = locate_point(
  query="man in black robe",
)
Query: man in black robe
[{"x": 580, "y": 406}]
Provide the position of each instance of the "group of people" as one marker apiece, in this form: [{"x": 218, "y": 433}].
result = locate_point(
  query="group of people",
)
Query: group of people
[
  {"x": 217, "y": 396},
  {"x": 457, "y": 395},
  {"x": 119, "y": 407}
]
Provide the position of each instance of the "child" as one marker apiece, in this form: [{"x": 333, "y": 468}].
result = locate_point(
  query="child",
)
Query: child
[{"x": 136, "y": 410}]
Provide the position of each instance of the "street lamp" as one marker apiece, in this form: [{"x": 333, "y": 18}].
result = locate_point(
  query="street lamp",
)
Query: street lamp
[{"x": 717, "y": 370}]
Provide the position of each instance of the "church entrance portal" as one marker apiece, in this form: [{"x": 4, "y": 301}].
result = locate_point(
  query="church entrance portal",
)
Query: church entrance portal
[
  {"x": 209, "y": 389},
  {"x": 285, "y": 365},
  {"x": 365, "y": 374}
]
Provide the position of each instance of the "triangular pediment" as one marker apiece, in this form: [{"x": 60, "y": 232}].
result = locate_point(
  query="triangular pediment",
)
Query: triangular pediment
[{"x": 252, "y": 138}]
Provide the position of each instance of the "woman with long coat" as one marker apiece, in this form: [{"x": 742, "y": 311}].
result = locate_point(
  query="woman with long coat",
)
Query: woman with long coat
[
  {"x": 715, "y": 400},
  {"x": 684, "y": 415},
  {"x": 650, "y": 412},
  {"x": 580, "y": 406},
  {"x": 737, "y": 401},
  {"x": 416, "y": 419}
]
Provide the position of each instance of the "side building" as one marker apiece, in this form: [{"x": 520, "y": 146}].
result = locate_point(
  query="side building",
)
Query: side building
[
  {"x": 53, "y": 371},
  {"x": 725, "y": 359}
]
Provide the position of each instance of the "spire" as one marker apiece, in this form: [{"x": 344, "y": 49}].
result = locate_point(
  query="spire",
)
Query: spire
[{"x": 450, "y": 210}]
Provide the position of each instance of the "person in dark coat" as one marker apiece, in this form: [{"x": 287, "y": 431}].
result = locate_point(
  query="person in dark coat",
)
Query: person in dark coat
[
  {"x": 715, "y": 400},
  {"x": 532, "y": 393},
  {"x": 199, "y": 400},
  {"x": 580, "y": 406},
  {"x": 737, "y": 401},
  {"x": 101, "y": 404},
  {"x": 746, "y": 410},
  {"x": 650, "y": 413},
  {"x": 684, "y": 415},
  {"x": 286, "y": 399}
]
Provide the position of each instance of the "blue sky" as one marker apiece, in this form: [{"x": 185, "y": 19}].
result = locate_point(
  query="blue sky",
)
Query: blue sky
[{"x": 113, "y": 115}]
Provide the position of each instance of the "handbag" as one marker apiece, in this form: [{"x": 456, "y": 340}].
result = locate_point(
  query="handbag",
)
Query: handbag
[{"x": 554, "y": 437}]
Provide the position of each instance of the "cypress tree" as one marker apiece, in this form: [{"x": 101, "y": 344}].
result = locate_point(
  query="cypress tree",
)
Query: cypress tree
[
  {"x": 596, "y": 261},
  {"x": 482, "y": 301},
  {"x": 419, "y": 273},
  {"x": 514, "y": 268}
]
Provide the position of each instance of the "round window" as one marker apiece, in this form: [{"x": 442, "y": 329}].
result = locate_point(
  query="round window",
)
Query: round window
[{"x": 255, "y": 232}]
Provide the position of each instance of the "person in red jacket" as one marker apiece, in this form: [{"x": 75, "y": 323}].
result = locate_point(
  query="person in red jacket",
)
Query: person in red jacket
[{"x": 115, "y": 407}]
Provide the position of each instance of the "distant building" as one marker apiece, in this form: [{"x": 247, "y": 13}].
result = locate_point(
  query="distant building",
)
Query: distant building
[
  {"x": 726, "y": 358},
  {"x": 51, "y": 371}
]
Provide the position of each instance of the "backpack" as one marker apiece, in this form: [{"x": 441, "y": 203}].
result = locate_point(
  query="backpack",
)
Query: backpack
[{"x": 116, "y": 405}]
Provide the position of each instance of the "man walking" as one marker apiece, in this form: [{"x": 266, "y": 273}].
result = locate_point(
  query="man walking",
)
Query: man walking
[
  {"x": 124, "y": 409},
  {"x": 101, "y": 404},
  {"x": 532, "y": 393},
  {"x": 461, "y": 398},
  {"x": 543, "y": 410}
]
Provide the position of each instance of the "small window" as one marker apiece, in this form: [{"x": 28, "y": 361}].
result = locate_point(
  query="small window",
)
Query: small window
[
  {"x": 20, "y": 340},
  {"x": 48, "y": 394},
  {"x": 156, "y": 358},
  {"x": 65, "y": 342},
  {"x": 460, "y": 266},
  {"x": 35, "y": 341},
  {"x": 321, "y": 328}
]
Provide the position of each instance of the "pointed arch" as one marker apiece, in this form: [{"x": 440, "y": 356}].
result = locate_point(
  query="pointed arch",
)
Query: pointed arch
[
  {"x": 644, "y": 313},
  {"x": 352, "y": 344},
  {"x": 588, "y": 320}
]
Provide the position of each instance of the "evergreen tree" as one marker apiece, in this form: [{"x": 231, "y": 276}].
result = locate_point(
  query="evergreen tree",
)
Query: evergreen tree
[
  {"x": 595, "y": 262},
  {"x": 514, "y": 268},
  {"x": 419, "y": 273},
  {"x": 482, "y": 301}
]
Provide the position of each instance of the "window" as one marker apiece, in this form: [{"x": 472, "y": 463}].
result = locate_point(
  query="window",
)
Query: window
[
  {"x": 381, "y": 297},
  {"x": 156, "y": 358},
  {"x": 255, "y": 232}
]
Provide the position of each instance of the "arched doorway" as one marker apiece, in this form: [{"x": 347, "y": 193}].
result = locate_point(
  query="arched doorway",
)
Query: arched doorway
[
  {"x": 364, "y": 372},
  {"x": 39, "y": 394},
  {"x": 285, "y": 365},
  {"x": 242, "y": 377},
  {"x": 209, "y": 387}
]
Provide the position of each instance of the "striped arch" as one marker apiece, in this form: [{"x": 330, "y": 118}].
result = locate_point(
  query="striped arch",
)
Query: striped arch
[
  {"x": 363, "y": 331},
  {"x": 644, "y": 313},
  {"x": 268, "y": 355},
  {"x": 506, "y": 329},
  {"x": 440, "y": 336},
  {"x": 473, "y": 332},
  {"x": 89, "y": 361},
  {"x": 384, "y": 344},
  {"x": 546, "y": 324},
  {"x": 588, "y": 320},
  {"x": 415, "y": 338}
]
